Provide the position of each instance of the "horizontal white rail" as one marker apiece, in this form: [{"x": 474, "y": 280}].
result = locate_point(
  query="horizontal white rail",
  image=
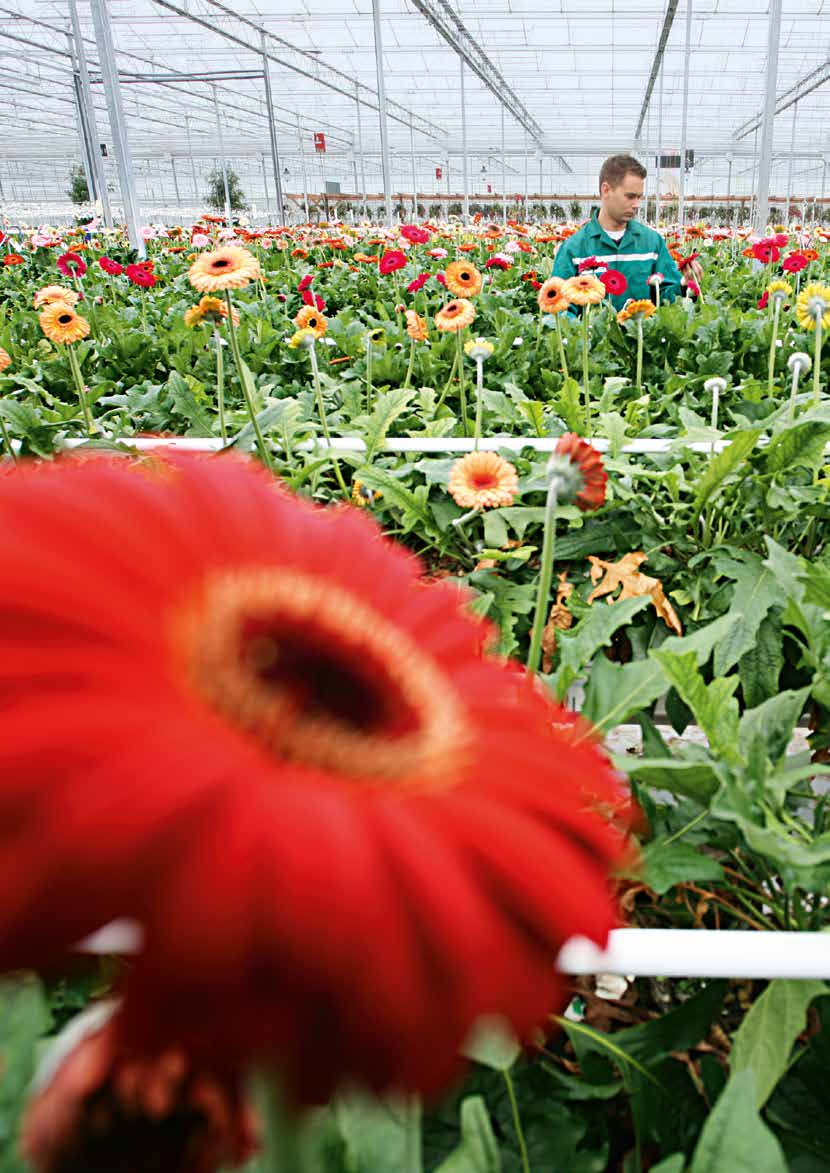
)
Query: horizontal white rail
[{"x": 703, "y": 953}]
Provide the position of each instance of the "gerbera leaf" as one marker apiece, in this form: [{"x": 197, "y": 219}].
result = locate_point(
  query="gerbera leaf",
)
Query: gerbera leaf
[
  {"x": 478, "y": 1151},
  {"x": 389, "y": 406}
]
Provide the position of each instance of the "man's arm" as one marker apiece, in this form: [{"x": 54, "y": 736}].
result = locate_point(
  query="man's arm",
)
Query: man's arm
[{"x": 666, "y": 264}]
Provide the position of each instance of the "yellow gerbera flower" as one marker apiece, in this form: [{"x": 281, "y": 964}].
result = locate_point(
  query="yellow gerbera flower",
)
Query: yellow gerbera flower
[
  {"x": 813, "y": 306},
  {"x": 60, "y": 323},
  {"x": 212, "y": 308},
  {"x": 636, "y": 309},
  {"x": 232, "y": 267},
  {"x": 311, "y": 319},
  {"x": 783, "y": 287},
  {"x": 463, "y": 279}
]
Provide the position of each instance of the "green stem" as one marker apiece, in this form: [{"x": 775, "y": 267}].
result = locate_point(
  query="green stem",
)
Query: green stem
[
  {"x": 7, "y": 440},
  {"x": 143, "y": 312},
  {"x": 639, "y": 379},
  {"x": 321, "y": 411},
  {"x": 793, "y": 392},
  {"x": 410, "y": 365},
  {"x": 545, "y": 576},
  {"x": 562, "y": 359},
  {"x": 479, "y": 400},
  {"x": 281, "y": 1149},
  {"x": 413, "y": 1159},
  {"x": 368, "y": 375},
  {"x": 517, "y": 1122},
  {"x": 817, "y": 364},
  {"x": 585, "y": 386},
  {"x": 776, "y": 310},
  {"x": 79, "y": 387},
  {"x": 220, "y": 384},
  {"x": 461, "y": 392},
  {"x": 448, "y": 382},
  {"x": 249, "y": 403}
]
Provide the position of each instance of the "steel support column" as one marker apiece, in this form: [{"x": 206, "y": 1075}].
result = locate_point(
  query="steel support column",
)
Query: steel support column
[
  {"x": 765, "y": 166},
  {"x": 503, "y": 171},
  {"x": 414, "y": 173},
  {"x": 687, "y": 56},
  {"x": 87, "y": 110},
  {"x": 118, "y": 123},
  {"x": 659, "y": 146},
  {"x": 175, "y": 179},
  {"x": 192, "y": 161},
  {"x": 265, "y": 186},
  {"x": 464, "y": 146},
  {"x": 222, "y": 162},
  {"x": 272, "y": 137},
  {"x": 790, "y": 163},
  {"x": 360, "y": 150},
  {"x": 302, "y": 164},
  {"x": 384, "y": 129}
]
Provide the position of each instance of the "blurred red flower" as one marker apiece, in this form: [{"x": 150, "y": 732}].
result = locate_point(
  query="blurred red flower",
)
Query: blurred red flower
[
  {"x": 110, "y": 266},
  {"x": 614, "y": 281},
  {"x": 12, "y": 259},
  {"x": 391, "y": 261},
  {"x": 71, "y": 265},
  {"x": 419, "y": 282},
  {"x": 794, "y": 263},
  {"x": 415, "y": 235},
  {"x": 141, "y": 276},
  {"x": 766, "y": 252}
]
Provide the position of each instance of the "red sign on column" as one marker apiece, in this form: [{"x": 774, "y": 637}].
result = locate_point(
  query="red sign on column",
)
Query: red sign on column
[
  {"x": 438, "y": 172},
  {"x": 320, "y": 141},
  {"x": 489, "y": 189}
]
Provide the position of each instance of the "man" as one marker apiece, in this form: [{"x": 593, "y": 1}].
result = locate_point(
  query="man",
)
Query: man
[{"x": 615, "y": 240}]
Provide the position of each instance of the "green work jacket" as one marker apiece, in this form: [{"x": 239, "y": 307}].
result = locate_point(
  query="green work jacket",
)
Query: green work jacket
[{"x": 640, "y": 252}]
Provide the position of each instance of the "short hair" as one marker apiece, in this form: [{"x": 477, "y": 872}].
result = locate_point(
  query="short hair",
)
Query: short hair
[{"x": 615, "y": 169}]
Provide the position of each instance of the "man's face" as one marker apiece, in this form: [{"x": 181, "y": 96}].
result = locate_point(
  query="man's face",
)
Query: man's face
[{"x": 622, "y": 202}]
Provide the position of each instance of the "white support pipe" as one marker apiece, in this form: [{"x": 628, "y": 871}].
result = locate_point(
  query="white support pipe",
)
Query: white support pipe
[
  {"x": 765, "y": 164},
  {"x": 687, "y": 54},
  {"x": 302, "y": 163},
  {"x": 464, "y": 147},
  {"x": 503, "y": 172},
  {"x": 702, "y": 953},
  {"x": 359, "y": 120},
  {"x": 222, "y": 161},
  {"x": 384, "y": 131}
]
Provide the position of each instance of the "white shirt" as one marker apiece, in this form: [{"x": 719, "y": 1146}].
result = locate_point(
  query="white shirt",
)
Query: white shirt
[{"x": 616, "y": 236}]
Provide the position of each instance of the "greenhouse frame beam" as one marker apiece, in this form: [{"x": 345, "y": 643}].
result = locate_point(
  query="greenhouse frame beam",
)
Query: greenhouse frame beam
[
  {"x": 333, "y": 79},
  {"x": 86, "y": 109},
  {"x": 767, "y": 126},
  {"x": 668, "y": 21},
  {"x": 803, "y": 87}
]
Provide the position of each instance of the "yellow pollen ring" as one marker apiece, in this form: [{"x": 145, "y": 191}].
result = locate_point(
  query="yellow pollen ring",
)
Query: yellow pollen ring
[{"x": 224, "y": 665}]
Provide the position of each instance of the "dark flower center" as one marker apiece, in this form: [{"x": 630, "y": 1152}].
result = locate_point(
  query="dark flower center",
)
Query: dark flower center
[
  {"x": 221, "y": 264},
  {"x": 65, "y": 319}
]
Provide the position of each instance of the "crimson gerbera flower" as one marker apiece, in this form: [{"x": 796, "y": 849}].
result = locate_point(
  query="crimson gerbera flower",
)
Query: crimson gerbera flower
[
  {"x": 766, "y": 252},
  {"x": 497, "y": 263},
  {"x": 684, "y": 262},
  {"x": 305, "y": 283},
  {"x": 348, "y": 818},
  {"x": 614, "y": 281},
  {"x": 313, "y": 299},
  {"x": 415, "y": 235},
  {"x": 794, "y": 263},
  {"x": 71, "y": 265},
  {"x": 110, "y": 266},
  {"x": 580, "y": 471},
  {"x": 587, "y": 264},
  {"x": 141, "y": 276},
  {"x": 419, "y": 282},
  {"x": 392, "y": 260}
]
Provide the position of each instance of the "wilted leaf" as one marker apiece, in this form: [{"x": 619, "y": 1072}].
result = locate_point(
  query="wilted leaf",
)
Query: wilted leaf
[
  {"x": 626, "y": 574},
  {"x": 560, "y": 619}
]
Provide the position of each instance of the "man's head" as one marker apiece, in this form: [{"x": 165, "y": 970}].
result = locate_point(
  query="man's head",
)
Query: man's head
[{"x": 621, "y": 187}]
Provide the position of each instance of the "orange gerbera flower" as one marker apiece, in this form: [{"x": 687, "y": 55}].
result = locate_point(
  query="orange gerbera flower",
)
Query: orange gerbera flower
[
  {"x": 5, "y": 359},
  {"x": 60, "y": 323},
  {"x": 416, "y": 326},
  {"x": 54, "y": 293},
  {"x": 584, "y": 290},
  {"x": 809, "y": 254},
  {"x": 366, "y": 258},
  {"x": 483, "y": 480},
  {"x": 550, "y": 297},
  {"x": 455, "y": 315},
  {"x": 311, "y": 319},
  {"x": 462, "y": 280},
  {"x": 467, "y": 248},
  {"x": 637, "y": 309},
  {"x": 328, "y": 722},
  {"x": 232, "y": 267},
  {"x": 212, "y": 308}
]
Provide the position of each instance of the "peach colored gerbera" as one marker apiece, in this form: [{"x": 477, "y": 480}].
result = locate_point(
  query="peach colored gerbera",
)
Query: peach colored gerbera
[
  {"x": 311, "y": 319},
  {"x": 462, "y": 279},
  {"x": 455, "y": 315},
  {"x": 5, "y": 359},
  {"x": 60, "y": 323},
  {"x": 212, "y": 308},
  {"x": 637, "y": 309},
  {"x": 416, "y": 326},
  {"x": 483, "y": 480},
  {"x": 550, "y": 297},
  {"x": 54, "y": 293},
  {"x": 584, "y": 290},
  {"x": 231, "y": 267}
]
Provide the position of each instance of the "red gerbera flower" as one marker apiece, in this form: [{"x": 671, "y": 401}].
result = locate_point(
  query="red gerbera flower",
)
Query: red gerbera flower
[
  {"x": 12, "y": 259},
  {"x": 497, "y": 263},
  {"x": 614, "y": 281},
  {"x": 392, "y": 260},
  {"x": 402, "y": 822},
  {"x": 415, "y": 235},
  {"x": 587, "y": 264},
  {"x": 441, "y": 279},
  {"x": 763, "y": 301},
  {"x": 766, "y": 252},
  {"x": 419, "y": 283},
  {"x": 71, "y": 265},
  {"x": 580, "y": 471},
  {"x": 794, "y": 263},
  {"x": 141, "y": 276},
  {"x": 684, "y": 262},
  {"x": 313, "y": 299},
  {"x": 110, "y": 266},
  {"x": 304, "y": 284}
]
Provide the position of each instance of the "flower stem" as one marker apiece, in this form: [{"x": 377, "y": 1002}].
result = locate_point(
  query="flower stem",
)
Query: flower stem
[
  {"x": 321, "y": 411},
  {"x": 368, "y": 375},
  {"x": 220, "y": 384},
  {"x": 817, "y": 363},
  {"x": 249, "y": 403},
  {"x": 793, "y": 392},
  {"x": 448, "y": 382},
  {"x": 639, "y": 379},
  {"x": 657, "y": 295},
  {"x": 585, "y": 386},
  {"x": 281, "y": 1149},
  {"x": 562, "y": 358},
  {"x": 7, "y": 440},
  {"x": 410, "y": 365},
  {"x": 461, "y": 393},
  {"x": 517, "y": 1122},
  {"x": 79, "y": 387},
  {"x": 545, "y": 576},
  {"x": 776, "y": 310},
  {"x": 479, "y": 400}
]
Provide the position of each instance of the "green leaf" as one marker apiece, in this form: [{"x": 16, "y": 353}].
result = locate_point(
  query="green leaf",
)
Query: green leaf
[
  {"x": 764, "y": 1040},
  {"x": 478, "y": 1151},
  {"x": 284, "y": 414},
  {"x": 667, "y": 864},
  {"x": 394, "y": 493},
  {"x": 493, "y": 1045},
  {"x": 755, "y": 593},
  {"x": 690, "y": 779},
  {"x": 722, "y": 466},
  {"x": 569, "y": 406},
  {"x": 714, "y": 705},
  {"x": 198, "y": 414},
  {"x": 816, "y": 579},
  {"x": 760, "y": 667},
  {"x": 389, "y": 405},
  {"x": 381, "y": 1136},
  {"x": 735, "y": 1139},
  {"x": 594, "y": 631},
  {"x": 24, "y": 1019},
  {"x": 800, "y": 446},
  {"x": 772, "y": 723},
  {"x": 676, "y": 1163},
  {"x": 616, "y": 692}
]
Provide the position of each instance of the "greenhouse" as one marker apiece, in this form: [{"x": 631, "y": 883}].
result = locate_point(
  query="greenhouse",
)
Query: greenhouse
[{"x": 415, "y": 597}]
